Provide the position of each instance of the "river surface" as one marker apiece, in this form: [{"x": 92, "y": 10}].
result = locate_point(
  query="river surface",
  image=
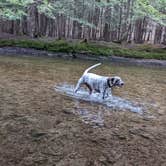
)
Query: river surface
[
  {"x": 42, "y": 122},
  {"x": 144, "y": 91}
]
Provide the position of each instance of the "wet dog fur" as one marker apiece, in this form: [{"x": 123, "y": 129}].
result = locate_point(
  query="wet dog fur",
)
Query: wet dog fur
[{"x": 98, "y": 83}]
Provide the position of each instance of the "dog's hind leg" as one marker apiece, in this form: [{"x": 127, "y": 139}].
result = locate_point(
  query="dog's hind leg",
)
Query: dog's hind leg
[{"x": 89, "y": 87}]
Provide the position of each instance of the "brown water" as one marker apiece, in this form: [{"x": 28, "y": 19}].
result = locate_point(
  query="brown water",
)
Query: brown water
[
  {"x": 144, "y": 91},
  {"x": 42, "y": 126}
]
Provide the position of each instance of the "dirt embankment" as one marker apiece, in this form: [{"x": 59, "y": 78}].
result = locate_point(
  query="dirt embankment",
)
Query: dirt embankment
[{"x": 17, "y": 51}]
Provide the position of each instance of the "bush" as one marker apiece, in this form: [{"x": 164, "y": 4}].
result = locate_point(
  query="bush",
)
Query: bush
[{"x": 144, "y": 51}]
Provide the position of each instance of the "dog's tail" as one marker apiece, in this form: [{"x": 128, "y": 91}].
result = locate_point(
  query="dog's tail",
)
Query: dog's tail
[{"x": 88, "y": 69}]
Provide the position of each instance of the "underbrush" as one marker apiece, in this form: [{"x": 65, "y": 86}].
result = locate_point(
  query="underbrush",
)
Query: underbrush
[{"x": 143, "y": 51}]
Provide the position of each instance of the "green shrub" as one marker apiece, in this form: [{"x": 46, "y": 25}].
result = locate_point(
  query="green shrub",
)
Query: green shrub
[{"x": 144, "y": 51}]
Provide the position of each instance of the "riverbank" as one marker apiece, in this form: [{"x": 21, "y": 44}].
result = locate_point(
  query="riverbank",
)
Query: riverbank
[
  {"x": 19, "y": 51},
  {"x": 98, "y": 48}
]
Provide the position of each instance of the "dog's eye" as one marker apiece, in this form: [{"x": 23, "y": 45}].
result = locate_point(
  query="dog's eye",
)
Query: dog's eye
[{"x": 117, "y": 81}]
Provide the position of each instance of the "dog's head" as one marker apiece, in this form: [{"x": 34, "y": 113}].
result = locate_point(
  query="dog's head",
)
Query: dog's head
[{"x": 115, "y": 81}]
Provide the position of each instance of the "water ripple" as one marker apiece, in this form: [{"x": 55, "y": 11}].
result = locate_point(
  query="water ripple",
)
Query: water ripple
[{"x": 112, "y": 102}]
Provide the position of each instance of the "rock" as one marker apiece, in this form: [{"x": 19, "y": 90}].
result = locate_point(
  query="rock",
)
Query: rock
[
  {"x": 67, "y": 111},
  {"x": 36, "y": 134}
]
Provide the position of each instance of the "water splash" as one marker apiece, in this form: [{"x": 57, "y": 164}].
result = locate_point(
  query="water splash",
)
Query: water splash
[{"x": 112, "y": 102}]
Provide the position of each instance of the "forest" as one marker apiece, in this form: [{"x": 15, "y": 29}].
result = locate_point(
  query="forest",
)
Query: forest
[
  {"x": 82, "y": 82},
  {"x": 131, "y": 21}
]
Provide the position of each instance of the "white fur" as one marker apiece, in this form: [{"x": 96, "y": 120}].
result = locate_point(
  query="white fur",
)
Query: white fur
[{"x": 98, "y": 83}]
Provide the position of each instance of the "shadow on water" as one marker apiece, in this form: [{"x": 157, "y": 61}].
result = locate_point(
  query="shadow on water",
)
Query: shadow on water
[{"x": 111, "y": 103}]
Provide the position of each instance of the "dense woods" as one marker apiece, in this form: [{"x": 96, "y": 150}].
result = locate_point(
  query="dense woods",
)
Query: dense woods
[{"x": 137, "y": 21}]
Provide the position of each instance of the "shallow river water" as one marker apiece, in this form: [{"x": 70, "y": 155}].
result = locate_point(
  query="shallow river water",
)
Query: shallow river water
[
  {"x": 144, "y": 91},
  {"x": 42, "y": 122}
]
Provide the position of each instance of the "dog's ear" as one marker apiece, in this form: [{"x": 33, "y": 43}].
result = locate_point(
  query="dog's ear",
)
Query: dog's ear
[{"x": 111, "y": 81}]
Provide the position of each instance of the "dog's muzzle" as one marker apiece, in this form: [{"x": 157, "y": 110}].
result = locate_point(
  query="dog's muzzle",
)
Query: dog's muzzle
[{"x": 120, "y": 84}]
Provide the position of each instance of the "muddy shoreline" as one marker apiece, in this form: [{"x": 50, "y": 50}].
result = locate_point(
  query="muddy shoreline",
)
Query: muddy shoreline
[{"x": 33, "y": 52}]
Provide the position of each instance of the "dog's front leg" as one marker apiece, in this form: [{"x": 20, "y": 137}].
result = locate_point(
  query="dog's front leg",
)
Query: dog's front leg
[
  {"x": 108, "y": 92},
  {"x": 103, "y": 93}
]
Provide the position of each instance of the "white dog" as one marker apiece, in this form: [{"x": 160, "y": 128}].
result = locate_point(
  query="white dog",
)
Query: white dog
[{"x": 98, "y": 83}]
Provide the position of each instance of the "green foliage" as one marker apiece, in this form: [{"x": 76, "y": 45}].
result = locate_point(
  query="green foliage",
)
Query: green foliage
[
  {"x": 147, "y": 8},
  {"x": 78, "y": 9},
  {"x": 75, "y": 10},
  {"x": 58, "y": 46},
  {"x": 92, "y": 49},
  {"x": 144, "y": 51},
  {"x": 14, "y": 9}
]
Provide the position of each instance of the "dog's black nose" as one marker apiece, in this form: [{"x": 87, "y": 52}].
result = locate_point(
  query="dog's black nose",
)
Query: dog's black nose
[{"x": 122, "y": 83}]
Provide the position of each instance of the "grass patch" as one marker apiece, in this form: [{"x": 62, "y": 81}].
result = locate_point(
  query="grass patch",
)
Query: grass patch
[
  {"x": 142, "y": 54},
  {"x": 143, "y": 51}
]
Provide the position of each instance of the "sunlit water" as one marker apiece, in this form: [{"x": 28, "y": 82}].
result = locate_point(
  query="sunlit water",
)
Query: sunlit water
[
  {"x": 144, "y": 92},
  {"x": 110, "y": 101}
]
